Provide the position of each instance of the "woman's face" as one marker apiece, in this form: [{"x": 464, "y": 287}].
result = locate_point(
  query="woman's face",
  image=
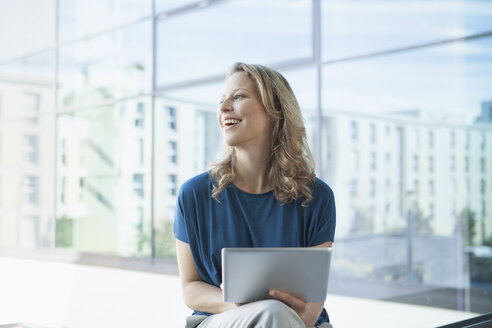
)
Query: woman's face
[{"x": 242, "y": 116}]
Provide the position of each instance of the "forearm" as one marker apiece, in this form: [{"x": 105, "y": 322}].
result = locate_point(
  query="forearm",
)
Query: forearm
[{"x": 203, "y": 297}]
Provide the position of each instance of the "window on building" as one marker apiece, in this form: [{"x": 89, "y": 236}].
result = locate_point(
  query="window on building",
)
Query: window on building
[
  {"x": 31, "y": 148},
  {"x": 482, "y": 164},
  {"x": 388, "y": 130},
  {"x": 140, "y": 115},
  {"x": 483, "y": 187},
  {"x": 416, "y": 186},
  {"x": 353, "y": 130},
  {"x": 373, "y": 161},
  {"x": 468, "y": 187},
  {"x": 431, "y": 187},
  {"x": 31, "y": 187},
  {"x": 172, "y": 183},
  {"x": 171, "y": 117},
  {"x": 431, "y": 139},
  {"x": 63, "y": 190},
  {"x": 63, "y": 151},
  {"x": 431, "y": 164},
  {"x": 138, "y": 184},
  {"x": 173, "y": 152},
  {"x": 452, "y": 139},
  {"x": 415, "y": 163},
  {"x": 452, "y": 163},
  {"x": 484, "y": 210},
  {"x": 31, "y": 106},
  {"x": 417, "y": 137},
  {"x": 483, "y": 142},
  {"x": 467, "y": 140},
  {"x": 373, "y": 133},
  {"x": 431, "y": 210}
]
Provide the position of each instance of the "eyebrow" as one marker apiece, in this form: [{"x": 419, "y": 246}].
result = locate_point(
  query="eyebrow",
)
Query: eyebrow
[{"x": 221, "y": 97}]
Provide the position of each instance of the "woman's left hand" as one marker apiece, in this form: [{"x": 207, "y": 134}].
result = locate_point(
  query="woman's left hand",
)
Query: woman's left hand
[{"x": 307, "y": 311}]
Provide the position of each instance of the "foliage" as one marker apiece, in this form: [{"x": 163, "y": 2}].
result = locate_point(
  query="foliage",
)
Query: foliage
[
  {"x": 64, "y": 232},
  {"x": 468, "y": 223}
]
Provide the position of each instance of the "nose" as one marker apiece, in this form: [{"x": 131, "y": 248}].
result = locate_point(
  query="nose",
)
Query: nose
[{"x": 226, "y": 106}]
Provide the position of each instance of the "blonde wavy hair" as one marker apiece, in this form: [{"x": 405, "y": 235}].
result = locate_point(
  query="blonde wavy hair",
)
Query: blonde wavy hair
[{"x": 292, "y": 165}]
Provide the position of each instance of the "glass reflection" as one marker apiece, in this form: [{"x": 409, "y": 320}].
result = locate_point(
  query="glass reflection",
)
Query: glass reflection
[
  {"x": 104, "y": 179},
  {"x": 415, "y": 216},
  {"x": 27, "y": 26},
  {"x": 356, "y": 27},
  {"x": 27, "y": 183},
  {"x": 115, "y": 65},
  {"x": 195, "y": 45},
  {"x": 78, "y": 18},
  {"x": 27, "y": 87}
]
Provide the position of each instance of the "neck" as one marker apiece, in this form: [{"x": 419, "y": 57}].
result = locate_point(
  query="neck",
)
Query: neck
[{"x": 252, "y": 170}]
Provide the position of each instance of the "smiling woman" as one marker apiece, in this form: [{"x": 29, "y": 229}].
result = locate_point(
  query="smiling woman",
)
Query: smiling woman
[{"x": 263, "y": 193}]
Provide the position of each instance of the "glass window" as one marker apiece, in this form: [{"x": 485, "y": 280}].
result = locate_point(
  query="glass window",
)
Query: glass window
[
  {"x": 173, "y": 152},
  {"x": 171, "y": 117},
  {"x": 431, "y": 139},
  {"x": 114, "y": 65},
  {"x": 482, "y": 164},
  {"x": 31, "y": 149},
  {"x": 182, "y": 37},
  {"x": 138, "y": 184},
  {"x": 104, "y": 191},
  {"x": 452, "y": 139},
  {"x": 354, "y": 132},
  {"x": 31, "y": 188},
  {"x": 415, "y": 163},
  {"x": 373, "y": 133},
  {"x": 172, "y": 178},
  {"x": 167, "y": 5},
  {"x": 373, "y": 161},
  {"x": 452, "y": 163},
  {"x": 27, "y": 86},
  {"x": 140, "y": 115},
  {"x": 78, "y": 18},
  {"x": 27, "y": 178},
  {"x": 34, "y": 26},
  {"x": 431, "y": 187},
  {"x": 357, "y": 27},
  {"x": 431, "y": 164}
]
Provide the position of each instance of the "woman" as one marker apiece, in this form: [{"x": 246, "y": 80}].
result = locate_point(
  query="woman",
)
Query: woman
[{"x": 262, "y": 193}]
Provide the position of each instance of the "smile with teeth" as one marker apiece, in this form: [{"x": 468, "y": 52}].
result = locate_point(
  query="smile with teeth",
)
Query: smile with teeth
[{"x": 230, "y": 122}]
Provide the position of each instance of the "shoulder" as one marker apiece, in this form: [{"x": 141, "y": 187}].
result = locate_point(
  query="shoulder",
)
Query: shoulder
[
  {"x": 197, "y": 185},
  {"x": 322, "y": 192}
]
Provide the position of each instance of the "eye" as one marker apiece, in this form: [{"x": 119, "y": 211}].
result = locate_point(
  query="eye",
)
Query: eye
[{"x": 236, "y": 97}]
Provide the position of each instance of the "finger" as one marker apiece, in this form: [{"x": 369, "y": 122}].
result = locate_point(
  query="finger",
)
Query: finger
[{"x": 293, "y": 301}]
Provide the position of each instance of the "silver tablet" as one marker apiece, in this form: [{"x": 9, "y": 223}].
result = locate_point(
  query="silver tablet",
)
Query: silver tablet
[{"x": 249, "y": 273}]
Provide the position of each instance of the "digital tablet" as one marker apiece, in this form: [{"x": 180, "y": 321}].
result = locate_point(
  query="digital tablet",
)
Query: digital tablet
[{"x": 249, "y": 273}]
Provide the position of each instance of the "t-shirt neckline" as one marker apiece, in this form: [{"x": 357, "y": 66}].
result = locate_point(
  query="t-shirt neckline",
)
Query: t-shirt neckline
[{"x": 251, "y": 194}]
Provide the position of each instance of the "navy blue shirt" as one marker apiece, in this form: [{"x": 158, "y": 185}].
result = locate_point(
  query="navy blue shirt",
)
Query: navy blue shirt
[{"x": 242, "y": 219}]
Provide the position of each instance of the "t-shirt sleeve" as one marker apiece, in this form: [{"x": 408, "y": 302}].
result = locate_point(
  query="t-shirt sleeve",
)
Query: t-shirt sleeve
[
  {"x": 325, "y": 214},
  {"x": 180, "y": 231}
]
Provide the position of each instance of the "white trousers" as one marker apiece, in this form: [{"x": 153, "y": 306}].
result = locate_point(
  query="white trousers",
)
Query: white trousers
[{"x": 261, "y": 314}]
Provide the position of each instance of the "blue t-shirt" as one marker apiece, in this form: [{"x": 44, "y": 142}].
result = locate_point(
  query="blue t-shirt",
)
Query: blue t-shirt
[{"x": 242, "y": 219}]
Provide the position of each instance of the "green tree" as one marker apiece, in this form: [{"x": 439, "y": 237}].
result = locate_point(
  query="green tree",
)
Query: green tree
[
  {"x": 468, "y": 223},
  {"x": 64, "y": 232}
]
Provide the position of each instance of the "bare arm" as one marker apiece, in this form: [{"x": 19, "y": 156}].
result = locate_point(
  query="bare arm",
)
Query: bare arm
[{"x": 197, "y": 295}]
